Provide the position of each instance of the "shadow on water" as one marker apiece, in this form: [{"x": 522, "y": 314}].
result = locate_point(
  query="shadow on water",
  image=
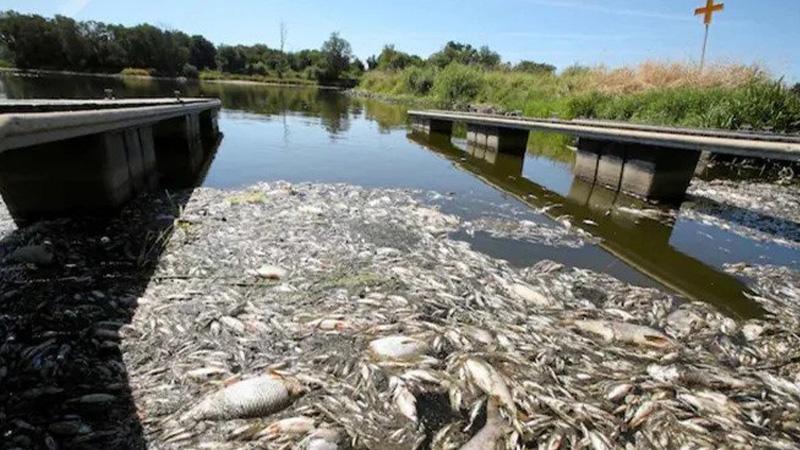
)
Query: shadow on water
[
  {"x": 63, "y": 380},
  {"x": 641, "y": 242}
]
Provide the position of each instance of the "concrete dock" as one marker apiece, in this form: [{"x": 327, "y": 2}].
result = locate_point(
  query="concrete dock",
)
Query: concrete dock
[
  {"x": 652, "y": 162},
  {"x": 64, "y": 156}
]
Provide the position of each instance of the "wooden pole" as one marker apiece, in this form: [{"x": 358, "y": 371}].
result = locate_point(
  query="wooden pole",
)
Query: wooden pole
[{"x": 705, "y": 44}]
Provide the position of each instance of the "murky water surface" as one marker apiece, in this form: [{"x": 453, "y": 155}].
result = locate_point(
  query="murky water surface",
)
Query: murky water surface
[{"x": 305, "y": 134}]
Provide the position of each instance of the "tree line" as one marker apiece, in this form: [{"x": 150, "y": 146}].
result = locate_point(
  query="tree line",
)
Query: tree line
[
  {"x": 30, "y": 41},
  {"x": 453, "y": 52}
]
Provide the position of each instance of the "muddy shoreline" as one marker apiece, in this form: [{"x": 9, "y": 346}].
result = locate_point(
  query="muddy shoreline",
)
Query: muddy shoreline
[{"x": 391, "y": 335}]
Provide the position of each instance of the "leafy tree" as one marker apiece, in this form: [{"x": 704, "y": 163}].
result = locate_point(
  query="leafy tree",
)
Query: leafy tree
[
  {"x": 202, "y": 53},
  {"x": 534, "y": 67},
  {"x": 337, "y": 53},
  {"x": 392, "y": 59},
  {"x": 487, "y": 58},
  {"x": 372, "y": 62}
]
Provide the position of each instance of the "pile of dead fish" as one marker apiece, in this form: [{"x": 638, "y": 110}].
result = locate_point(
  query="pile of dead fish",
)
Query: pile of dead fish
[
  {"x": 535, "y": 232},
  {"x": 766, "y": 212},
  {"x": 336, "y": 317}
]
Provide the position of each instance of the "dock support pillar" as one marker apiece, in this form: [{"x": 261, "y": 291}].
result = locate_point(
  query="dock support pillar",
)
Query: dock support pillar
[
  {"x": 209, "y": 124},
  {"x": 431, "y": 126},
  {"x": 651, "y": 172},
  {"x": 503, "y": 140},
  {"x": 90, "y": 173},
  {"x": 179, "y": 149}
]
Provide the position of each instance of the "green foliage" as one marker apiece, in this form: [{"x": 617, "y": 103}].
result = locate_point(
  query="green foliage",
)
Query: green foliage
[
  {"x": 190, "y": 71},
  {"x": 61, "y": 43},
  {"x": 337, "y": 57},
  {"x": 464, "y": 54},
  {"x": 392, "y": 59},
  {"x": 457, "y": 84},
  {"x": 418, "y": 80},
  {"x": 761, "y": 105},
  {"x": 202, "y": 53},
  {"x": 757, "y": 102},
  {"x": 135, "y": 72},
  {"x": 534, "y": 67}
]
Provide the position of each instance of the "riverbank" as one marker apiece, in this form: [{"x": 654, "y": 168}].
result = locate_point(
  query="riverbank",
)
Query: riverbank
[
  {"x": 726, "y": 97},
  {"x": 222, "y": 79},
  {"x": 370, "y": 328}
]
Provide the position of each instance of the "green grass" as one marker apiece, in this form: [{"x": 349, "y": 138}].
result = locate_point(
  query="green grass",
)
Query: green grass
[
  {"x": 728, "y": 97},
  {"x": 136, "y": 72},
  {"x": 214, "y": 75}
]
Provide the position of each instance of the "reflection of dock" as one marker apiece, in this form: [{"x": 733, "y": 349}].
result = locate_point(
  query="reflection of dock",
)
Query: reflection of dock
[{"x": 641, "y": 242}]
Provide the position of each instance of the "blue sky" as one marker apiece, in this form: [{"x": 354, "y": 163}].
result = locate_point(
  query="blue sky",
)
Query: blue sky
[{"x": 561, "y": 32}]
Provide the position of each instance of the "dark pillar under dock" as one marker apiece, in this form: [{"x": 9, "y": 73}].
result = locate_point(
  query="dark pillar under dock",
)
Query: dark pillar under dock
[
  {"x": 651, "y": 172},
  {"x": 86, "y": 173},
  {"x": 179, "y": 149},
  {"x": 431, "y": 126},
  {"x": 504, "y": 140}
]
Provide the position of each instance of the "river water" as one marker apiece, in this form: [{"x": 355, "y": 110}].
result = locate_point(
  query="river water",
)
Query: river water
[{"x": 317, "y": 135}]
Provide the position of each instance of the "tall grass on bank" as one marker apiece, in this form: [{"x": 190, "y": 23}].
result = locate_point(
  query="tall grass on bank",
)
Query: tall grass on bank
[{"x": 729, "y": 96}]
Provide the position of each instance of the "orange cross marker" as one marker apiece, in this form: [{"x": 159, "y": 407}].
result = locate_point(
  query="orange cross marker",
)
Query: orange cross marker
[
  {"x": 708, "y": 14},
  {"x": 709, "y": 11}
]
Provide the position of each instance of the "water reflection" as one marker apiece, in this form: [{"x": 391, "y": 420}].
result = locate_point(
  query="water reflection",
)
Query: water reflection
[{"x": 641, "y": 242}]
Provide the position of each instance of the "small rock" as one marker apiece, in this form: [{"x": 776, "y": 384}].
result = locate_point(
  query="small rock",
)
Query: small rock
[
  {"x": 272, "y": 272},
  {"x": 33, "y": 254}
]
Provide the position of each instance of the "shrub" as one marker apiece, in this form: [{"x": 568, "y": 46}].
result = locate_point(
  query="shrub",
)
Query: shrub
[
  {"x": 137, "y": 72},
  {"x": 190, "y": 71},
  {"x": 211, "y": 75},
  {"x": 458, "y": 84},
  {"x": 5, "y": 64},
  {"x": 418, "y": 80}
]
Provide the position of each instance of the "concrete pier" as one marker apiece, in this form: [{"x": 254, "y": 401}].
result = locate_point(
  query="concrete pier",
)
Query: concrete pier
[
  {"x": 650, "y": 172},
  {"x": 75, "y": 158},
  {"x": 431, "y": 126},
  {"x": 503, "y": 140},
  {"x": 656, "y": 163}
]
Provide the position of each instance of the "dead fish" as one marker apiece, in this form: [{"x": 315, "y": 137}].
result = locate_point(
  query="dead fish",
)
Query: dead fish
[
  {"x": 404, "y": 400},
  {"x": 492, "y": 432},
  {"x": 619, "y": 391},
  {"x": 530, "y": 295},
  {"x": 270, "y": 272},
  {"x": 93, "y": 399},
  {"x": 254, "y": 397},
  {"x": 33, "y": 254},
  {"x": 287, "y": 427},
  {"x": 490, "y": 382},
  {"x": 324, "y": 439},
  {"x": 398, "y": 348},
  {"x": 626, "y": 332},
  {"x": 205, "y": 373}
]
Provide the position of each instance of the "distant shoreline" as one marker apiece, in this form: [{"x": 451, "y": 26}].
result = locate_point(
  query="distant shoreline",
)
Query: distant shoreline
[{"x": 119, "y": 76}]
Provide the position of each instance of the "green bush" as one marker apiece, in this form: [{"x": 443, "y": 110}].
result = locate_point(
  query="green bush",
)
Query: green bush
[
  {"x": 458, "y": 84},
  {"x": 5, "y": 64},
  {"x": 190, "y": 71},
  {"x": 136, "y": 72},
  {"x": 418, "y": 80}
]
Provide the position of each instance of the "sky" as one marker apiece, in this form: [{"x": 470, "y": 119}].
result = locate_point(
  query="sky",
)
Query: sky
[{"x": 560, "y": 32}]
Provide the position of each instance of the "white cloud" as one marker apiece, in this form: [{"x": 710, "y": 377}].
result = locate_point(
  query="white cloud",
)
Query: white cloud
[{"x": 74, "y": 7}]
